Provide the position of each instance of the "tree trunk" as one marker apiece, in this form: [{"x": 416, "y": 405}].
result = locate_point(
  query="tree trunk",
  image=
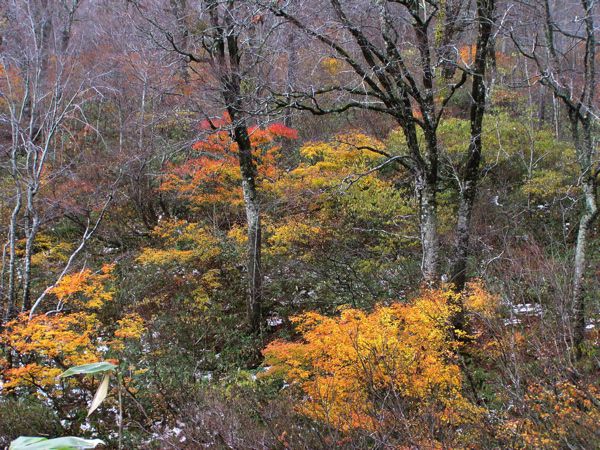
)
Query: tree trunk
[
  {"x": 470, "y": 175},
  {"x": 589, "y": 187},
  {"x": 179, "y": 11},
  {"x": 31, "y": 228},
  {"x": 429, "y": 230},
  {"x": 12, "y": 229},
  {"x": 12, "y": 258},
  {"x": 248, "y": 172},
  {"x": 458, "y": 276},
  {"x": 292, "y": 68}
]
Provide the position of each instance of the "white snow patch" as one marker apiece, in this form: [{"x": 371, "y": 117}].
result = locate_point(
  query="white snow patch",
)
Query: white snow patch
[
  {"x": 274, "y": 321},
  {"x": 527, "y": 309},
  {"x": 512, "y": 321}
]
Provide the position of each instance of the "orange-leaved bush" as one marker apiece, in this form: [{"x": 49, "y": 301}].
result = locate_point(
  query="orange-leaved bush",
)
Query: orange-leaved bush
[
  {"x": 395, "y": 368},
  {"x": 40, "y": 348},
  {"x": 213, "y": 175},
  {"x": 43, "y": 347},
  {"x": 564, "y": 414}
]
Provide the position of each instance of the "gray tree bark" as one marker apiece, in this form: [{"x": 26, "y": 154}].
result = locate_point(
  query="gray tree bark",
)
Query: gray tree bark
[
  {"x": 584, "y": 147},
  {"x": 254, "y": 231},
  {"x": 426, "y": 191}
]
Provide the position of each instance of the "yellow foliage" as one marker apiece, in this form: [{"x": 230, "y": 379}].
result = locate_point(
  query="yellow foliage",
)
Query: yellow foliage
[
  {"x": 334, "y": 196},
  {"x": 200, "y": 299},
  {"x": 346, "y": 150},
  {"x": 328, "y": 164},
  {"x": 238, "y": 234},
  {"x": 333, "y": 66},
  {"x": 546, "y": 184},
  {"x": 479, "y": 301},
  {"x": 292, "y": 233},
  {"x": 210, "y": 281},
  {"x": 195, "y": 250},
  {"x": 90, "y": 287},
  {"x": 356, "y": 369},
  {"x": 130, "y": 327},
  {"x": 47, "y": 340},
  {"x": 46, "y": 249},
  {"x": 184, "y": 242},
  {"x": 44, "y": 346}
]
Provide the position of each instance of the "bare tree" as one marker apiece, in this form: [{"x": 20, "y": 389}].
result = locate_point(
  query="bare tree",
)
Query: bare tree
[
  {"x": 566, "y": 40},
  {"x": 373, "y": 40},
  {"x": 42, "y": 89}
]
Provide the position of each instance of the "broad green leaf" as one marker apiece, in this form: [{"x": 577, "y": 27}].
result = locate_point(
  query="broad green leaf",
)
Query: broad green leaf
[
  {"x": 25, "y": 441},
  {"x": 64, "y": 443},
  {"x": 100, "y": 394},
  {"x": 87, "y": 369}
]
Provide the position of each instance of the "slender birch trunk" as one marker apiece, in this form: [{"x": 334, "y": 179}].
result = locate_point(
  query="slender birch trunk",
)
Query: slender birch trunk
[{"x": 589, "y": 188}]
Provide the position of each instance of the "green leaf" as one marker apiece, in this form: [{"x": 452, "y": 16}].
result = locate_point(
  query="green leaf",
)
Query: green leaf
[
  {"x": 24, "y": 441},
  {"x": 87, "y": 369},
  {"x": 100, "y": 394},
  {"x": 64, "y": 443}
]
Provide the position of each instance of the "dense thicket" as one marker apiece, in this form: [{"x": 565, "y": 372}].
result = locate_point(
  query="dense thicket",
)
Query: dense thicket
[{"x": 300, "y": 224}]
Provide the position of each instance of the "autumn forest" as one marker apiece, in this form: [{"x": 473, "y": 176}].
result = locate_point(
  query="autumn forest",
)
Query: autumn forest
[{"x": 299, "y": 224}]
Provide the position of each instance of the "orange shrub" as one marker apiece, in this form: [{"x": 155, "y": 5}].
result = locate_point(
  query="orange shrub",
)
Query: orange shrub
[
  {"x": 37, "y": 350},
  {"x": 393, "y": 368}
]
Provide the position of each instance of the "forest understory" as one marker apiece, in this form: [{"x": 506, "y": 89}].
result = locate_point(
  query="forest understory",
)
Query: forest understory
[{"x": 299, "y": 224}]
